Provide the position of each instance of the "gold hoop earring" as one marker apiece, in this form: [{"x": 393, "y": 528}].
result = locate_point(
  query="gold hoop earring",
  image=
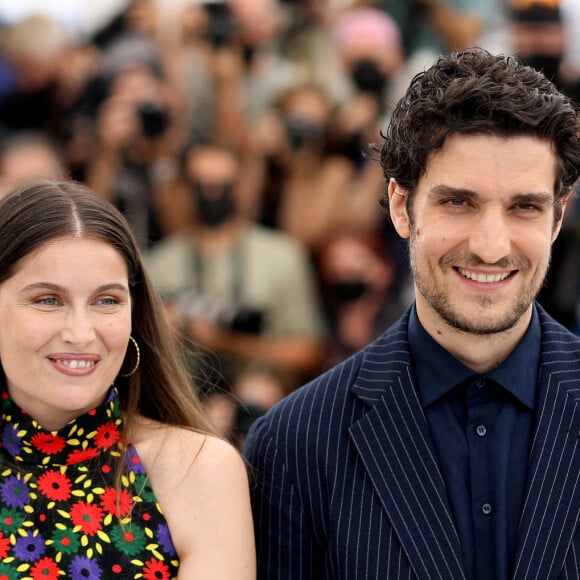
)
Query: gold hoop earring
[{"x": 134, "y": 369}]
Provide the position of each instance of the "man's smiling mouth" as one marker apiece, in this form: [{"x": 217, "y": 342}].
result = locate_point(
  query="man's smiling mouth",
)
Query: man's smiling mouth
[{"x": 484, "y": 278}]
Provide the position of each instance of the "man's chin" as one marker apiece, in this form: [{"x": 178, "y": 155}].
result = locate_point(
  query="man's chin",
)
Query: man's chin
[{"x": 482, "y": 324}]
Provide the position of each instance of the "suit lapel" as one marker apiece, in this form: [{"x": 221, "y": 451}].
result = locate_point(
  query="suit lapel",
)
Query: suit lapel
[
  {"x": 552, "y": 502},
  {"x": 394, "y": 443}
]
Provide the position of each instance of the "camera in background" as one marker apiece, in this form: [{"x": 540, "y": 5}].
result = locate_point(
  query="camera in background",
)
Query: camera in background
[
  {"x": 222, "y": 28},
  {"x": 228, "y": 315},
  {"x": 154, "y": 120}
]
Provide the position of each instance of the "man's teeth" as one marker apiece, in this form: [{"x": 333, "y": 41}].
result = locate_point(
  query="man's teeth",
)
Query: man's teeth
[
  {"x": 485, "y": 278},
  {"x": 77, "y": 364}
]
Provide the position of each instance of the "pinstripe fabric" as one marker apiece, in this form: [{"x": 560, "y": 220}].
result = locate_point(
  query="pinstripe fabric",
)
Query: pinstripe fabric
[
  {"x": 345, "y": 484},
  {"x": 551, "y": 511}
]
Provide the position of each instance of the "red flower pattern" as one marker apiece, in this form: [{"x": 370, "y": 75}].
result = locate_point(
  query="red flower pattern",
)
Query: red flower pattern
[
  {"x": 48, "y": 443},
  {"x": 4, "y": 546},
  {"x": 54, "y": 485},
  {"x": 87, "y": 516},
  {"x": 81, "y": 455},
  {"x": 45, "y": 569},
  {"x": 116, "y": 503},
  {"x": 155, "y": 570},
  {"x": 107, "y": 435}
]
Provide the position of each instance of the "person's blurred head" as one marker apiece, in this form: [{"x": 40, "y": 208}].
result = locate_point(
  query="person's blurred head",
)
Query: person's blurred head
[
  {"x": 211, "y": 174},
  {"x": 537, "y": 34},
  {"x": 259, "y": 21},
  {"x": 28, "y": 155},
  {"x": 306, "y": 113},
  {"x": 259, "y": 385},
  {"x": 352, "y": 267},
  {"x": 132, "y": 79},
  {"x": 34, "y": 49},
  {"x": 135, "y": 88},
  {"x": 370, "y": 47},
  {"x": 141, "y": 16}
]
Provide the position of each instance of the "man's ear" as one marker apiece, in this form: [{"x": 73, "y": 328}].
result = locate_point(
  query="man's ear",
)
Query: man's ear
[
  {"x": 558, "y": 226},
  {"x": 398, "y": 209}
]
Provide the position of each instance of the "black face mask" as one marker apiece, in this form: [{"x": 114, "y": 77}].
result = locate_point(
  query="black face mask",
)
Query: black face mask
[
  {"x": 547, "y": 64},
  {"x": 302, "y": 132},
  {"x": 349, "y": 291},
  {"x": 368, "y": 78},
  {"x": 215, "y": 204}
]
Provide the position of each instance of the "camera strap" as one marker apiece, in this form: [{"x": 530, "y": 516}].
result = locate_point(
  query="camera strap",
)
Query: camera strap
[{"x": 237, "y": 259}]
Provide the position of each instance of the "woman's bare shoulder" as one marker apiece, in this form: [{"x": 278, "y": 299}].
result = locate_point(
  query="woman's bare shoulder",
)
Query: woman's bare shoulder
[
  {"x": 183, "y": 452},
  {"x": 200, "y": 478}
]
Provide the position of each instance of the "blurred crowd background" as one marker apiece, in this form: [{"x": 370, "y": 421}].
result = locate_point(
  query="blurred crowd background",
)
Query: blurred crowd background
[{"x": 235, "y": 137}]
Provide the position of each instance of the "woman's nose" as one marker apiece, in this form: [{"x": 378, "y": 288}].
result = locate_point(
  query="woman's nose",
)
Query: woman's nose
[{"x": 78, "y": 328}]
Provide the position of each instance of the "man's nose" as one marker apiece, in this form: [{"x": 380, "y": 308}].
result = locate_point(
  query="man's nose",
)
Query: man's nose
[{"x": 490, "y": 238}]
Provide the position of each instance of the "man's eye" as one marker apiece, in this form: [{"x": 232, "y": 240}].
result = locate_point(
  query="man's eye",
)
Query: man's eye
[{"x": 455, "y": 202}]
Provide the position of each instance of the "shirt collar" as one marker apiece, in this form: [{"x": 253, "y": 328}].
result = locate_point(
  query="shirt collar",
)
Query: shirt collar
[{"x": 437, "y": 371}]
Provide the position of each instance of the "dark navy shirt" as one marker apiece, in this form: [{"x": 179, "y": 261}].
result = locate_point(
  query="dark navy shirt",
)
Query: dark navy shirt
[{"x": 482, "y": 428}]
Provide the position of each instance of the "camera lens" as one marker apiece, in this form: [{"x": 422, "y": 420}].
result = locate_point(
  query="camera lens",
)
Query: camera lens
[{"x": 154, "y": 120}]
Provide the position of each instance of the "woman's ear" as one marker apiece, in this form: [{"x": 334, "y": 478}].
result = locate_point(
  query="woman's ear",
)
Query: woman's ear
[{"x": 398, "y": 209}]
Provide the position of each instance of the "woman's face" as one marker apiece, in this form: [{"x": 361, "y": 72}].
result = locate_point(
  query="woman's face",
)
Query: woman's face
[{"x": 65, "y": 322}]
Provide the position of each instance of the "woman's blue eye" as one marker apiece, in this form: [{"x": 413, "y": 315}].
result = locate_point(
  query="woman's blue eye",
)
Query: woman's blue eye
[
  {"x": 108, "y": 301},
  {"x": 49, "y": 301}
]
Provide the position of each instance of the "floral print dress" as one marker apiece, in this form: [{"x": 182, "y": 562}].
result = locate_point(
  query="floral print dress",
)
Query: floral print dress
[{"x": 61, "y": 514}]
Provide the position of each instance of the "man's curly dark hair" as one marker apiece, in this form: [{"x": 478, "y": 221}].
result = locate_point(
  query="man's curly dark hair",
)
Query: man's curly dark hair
[{"x": 475, "y": 92}]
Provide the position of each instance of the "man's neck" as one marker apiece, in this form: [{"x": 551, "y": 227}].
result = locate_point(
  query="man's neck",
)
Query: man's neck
[{"x": 480, "y": 352}]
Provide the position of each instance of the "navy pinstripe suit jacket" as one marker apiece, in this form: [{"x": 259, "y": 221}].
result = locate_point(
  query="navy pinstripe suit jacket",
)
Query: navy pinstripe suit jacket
[{"x": 345, "y": 483}]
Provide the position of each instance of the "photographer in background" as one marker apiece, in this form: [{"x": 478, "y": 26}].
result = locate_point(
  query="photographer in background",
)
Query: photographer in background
[
  {"x": 239, "y": 290},
  {"x": 312, "y": 189},
  {"x": 137, "y": 137}
]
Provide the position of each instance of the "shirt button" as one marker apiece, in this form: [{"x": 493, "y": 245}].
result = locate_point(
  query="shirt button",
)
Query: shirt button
[
  {"x": 486, "y": 508},
  {"x": 481, "y": 430},
  {"x": 480, "y": 383}
]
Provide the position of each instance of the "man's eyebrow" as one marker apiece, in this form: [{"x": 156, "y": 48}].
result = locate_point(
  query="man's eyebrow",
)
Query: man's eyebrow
[
  {"x": 545, "y": 199},
  {"x": 447, "y": 190},
  {"x": 539, "y": 198}
]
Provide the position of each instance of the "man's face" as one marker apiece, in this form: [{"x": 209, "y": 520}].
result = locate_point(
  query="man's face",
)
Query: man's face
[{"x": 481, "y": 231}]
